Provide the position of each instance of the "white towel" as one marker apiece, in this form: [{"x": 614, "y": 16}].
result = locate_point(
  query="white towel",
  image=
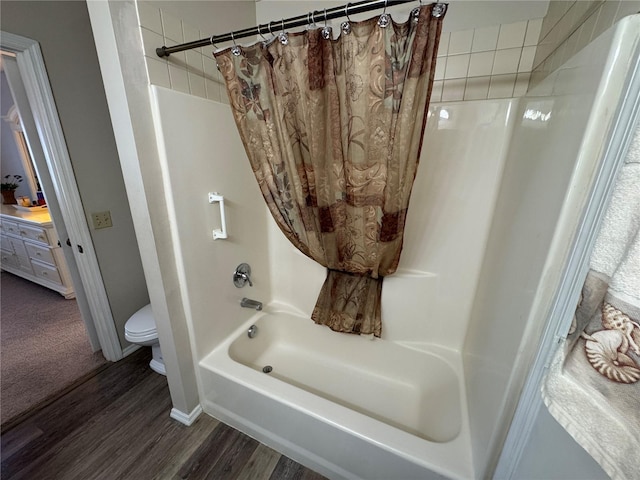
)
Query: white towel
[{"x": 593, "y": 385}]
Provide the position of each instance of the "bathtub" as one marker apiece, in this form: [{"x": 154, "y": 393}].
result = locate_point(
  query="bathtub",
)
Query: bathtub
[{"x": 397, "y": 411}]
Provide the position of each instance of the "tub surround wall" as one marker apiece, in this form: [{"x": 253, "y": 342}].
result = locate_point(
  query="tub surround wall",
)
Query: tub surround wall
[
  {"x": 479, "y": 176},
  {"x": 420, "y": 306},
  {"x": 569, "y": 26},
  {"x": 556, "y": 148},
  {"x": 429, "y": 298},
  {"x": 201, "y": 155}
]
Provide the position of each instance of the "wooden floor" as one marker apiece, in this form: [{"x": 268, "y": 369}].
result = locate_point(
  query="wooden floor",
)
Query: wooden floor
[{"x": 116, "y": 425}]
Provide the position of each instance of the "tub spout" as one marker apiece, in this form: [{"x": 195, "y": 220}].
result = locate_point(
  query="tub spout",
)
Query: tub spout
[{"x": 248, "y": 303}]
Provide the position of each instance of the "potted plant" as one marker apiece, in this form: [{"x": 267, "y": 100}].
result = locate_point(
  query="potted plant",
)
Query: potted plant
[{"x": 8, "y": 188}]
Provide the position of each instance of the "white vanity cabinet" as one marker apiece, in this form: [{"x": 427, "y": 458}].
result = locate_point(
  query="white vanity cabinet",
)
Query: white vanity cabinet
[{"x": 29, "y": 248}]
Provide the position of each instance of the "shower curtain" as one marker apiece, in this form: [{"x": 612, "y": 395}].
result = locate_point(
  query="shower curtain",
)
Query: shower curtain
[{"x": 333, "y": 131}]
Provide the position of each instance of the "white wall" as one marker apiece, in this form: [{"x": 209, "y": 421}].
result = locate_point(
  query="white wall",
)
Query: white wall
[{"x": 64, "y": 34}]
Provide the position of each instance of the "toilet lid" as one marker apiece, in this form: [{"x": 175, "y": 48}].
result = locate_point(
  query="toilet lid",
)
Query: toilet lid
[{"x": 141, "y": 322}]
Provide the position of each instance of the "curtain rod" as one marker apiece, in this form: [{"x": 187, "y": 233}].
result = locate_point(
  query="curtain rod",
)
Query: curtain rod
[{"x": 285, "y": 24}]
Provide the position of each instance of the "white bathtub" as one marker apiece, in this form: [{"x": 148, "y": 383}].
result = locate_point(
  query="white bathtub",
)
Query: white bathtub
[{"x": 397, "y": 411}]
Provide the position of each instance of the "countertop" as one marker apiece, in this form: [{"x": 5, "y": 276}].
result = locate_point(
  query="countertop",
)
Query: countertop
[{"x": 38, "y": 215}]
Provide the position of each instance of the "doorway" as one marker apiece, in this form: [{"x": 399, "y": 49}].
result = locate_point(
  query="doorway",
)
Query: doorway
[
  {"x": 44, "y": 342},
  {"x": 47, "y": 145}
]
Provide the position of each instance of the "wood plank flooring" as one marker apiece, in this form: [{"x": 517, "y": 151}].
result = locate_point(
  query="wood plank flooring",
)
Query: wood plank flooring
[{"x": 116, "y": 425}]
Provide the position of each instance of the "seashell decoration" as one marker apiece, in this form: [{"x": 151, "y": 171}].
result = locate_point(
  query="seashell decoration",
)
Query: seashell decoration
[
  {"x": 607, "y": 349},
  {"x": 603, "y": 355}
]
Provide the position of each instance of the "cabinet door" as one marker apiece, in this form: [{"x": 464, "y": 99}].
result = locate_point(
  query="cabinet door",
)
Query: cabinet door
[
  {"x": 8, "y": 259},
  {"x": 5, "y": 244},
  {"x": 17, "y": 245},
  {"x": 24, "y": 264}
]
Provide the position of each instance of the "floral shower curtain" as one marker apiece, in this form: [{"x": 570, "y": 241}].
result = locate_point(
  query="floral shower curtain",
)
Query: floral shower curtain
[{"x": 333, "y": 131}]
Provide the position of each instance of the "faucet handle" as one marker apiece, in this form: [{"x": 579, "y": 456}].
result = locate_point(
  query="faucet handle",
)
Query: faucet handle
[{"x": 242, "y": 275}]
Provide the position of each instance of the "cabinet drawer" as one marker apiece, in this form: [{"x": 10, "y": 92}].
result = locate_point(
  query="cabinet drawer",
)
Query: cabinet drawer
[
  {"x": 47, "y": 272},
  {"x": 8, "y": 259},
  {"x": 10, "y": 227},
  {"x": 41, "y": 253},
  {"x": 34, "y": 233}
]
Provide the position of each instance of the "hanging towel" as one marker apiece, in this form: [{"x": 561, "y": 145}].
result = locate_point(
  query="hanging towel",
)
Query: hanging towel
[{"x": 593, "y": 384}]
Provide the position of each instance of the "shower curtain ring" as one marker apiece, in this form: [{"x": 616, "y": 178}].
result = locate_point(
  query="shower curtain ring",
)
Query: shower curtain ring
[
  {"x": 346, "y": 26},
  {"x": 284, "y": 36},
  {"x": 415, "y": 13},
  {"x": 211, "y": 42},
  {"x": 235, "y": 50},
  {"x": 438, "y": 9},
  {"x": 260, "y": 33},
  {"x": 384, "y": 19},
  {"x": 326, "y": 30}
]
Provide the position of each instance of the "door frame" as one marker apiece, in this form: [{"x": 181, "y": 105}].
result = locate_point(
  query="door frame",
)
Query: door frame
[{"x": 58, "y": 167}]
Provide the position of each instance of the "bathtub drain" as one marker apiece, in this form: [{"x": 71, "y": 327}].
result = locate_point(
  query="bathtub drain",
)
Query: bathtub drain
[{"x": 267, "y": 369}]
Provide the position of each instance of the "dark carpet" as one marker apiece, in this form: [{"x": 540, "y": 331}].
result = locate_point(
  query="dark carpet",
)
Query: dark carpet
[{"x": 44, "y": 345}]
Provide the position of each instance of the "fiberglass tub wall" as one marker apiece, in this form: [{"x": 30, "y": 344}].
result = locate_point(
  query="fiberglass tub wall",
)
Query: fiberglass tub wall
[
  {"x": 446, "y": 230},
  {"x": 559, "y": 141}
]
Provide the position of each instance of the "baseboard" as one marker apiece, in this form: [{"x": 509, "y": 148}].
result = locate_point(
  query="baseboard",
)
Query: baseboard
[
  {"x": 186, "y": 419},
  {"x": 130, "y": 349}
]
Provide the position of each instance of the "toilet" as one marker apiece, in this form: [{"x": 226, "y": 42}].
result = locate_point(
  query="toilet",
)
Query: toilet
[{"x": 141, "y": 329}]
